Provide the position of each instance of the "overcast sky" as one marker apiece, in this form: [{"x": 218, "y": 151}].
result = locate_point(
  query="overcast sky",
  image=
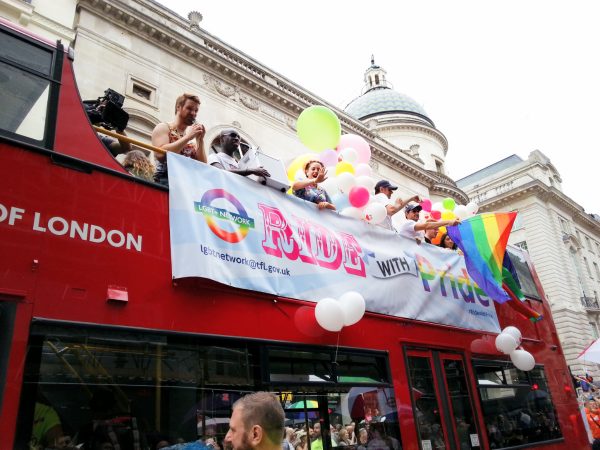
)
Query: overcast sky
[{"x": 497, "y": 78}]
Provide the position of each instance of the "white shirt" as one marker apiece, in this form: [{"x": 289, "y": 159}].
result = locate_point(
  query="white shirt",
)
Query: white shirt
[
  {"x": 228, "y": 162},
  {"x": 387, "y": 222},
  {"x": 407, "y": 229}
]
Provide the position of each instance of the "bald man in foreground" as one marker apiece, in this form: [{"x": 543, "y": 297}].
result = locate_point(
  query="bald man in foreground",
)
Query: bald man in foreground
[{"x": 257, "y": 423}]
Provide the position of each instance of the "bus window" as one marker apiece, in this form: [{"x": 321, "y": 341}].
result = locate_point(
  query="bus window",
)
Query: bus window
[
  {"x": 152, "y": 387},
  {"x": 25, "y": 85},
  {"x": 517, "y": 406},
  {"x": 528, "y": 286},
  {"x": 7, "y": 320}
]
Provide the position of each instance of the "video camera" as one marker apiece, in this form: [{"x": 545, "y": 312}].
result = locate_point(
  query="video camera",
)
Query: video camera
[{"x": 107, "y": 111}]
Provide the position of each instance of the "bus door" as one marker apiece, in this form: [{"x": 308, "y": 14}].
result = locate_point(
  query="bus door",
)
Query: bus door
[{"x": 441, "y": 401}]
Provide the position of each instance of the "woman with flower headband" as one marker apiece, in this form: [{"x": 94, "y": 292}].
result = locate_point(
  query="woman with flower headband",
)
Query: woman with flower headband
[{"x": 309, "y": 189}]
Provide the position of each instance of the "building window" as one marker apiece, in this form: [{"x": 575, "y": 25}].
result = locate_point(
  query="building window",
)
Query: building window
[
  {"x": 141, "y": 91},
  {"x": 578, "y": 235},
  {"x": 597, "y": 269},
  {"x": 572, "y": 253},
  {"x": 564, "y": 225},
  {"x": 594, "y": 328},
  {"x": 587, "y": 267},
  {"x": 439, "y": 166},
  {"x": 522, "y": 245},
  {"x": 588, "y": 244}
]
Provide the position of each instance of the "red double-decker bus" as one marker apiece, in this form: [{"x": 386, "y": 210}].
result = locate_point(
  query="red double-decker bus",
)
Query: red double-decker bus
[{"x": 100, "y": 346}]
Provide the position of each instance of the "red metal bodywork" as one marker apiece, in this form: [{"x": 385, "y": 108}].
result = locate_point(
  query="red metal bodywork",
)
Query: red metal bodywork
[{"x": 67, "y": 279}]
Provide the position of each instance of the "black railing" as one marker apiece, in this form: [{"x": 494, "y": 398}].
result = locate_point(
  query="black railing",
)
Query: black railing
[{"x": 590, "y": 303}]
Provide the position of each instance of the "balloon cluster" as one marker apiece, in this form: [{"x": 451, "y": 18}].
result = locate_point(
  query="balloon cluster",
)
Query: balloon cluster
[
  {"x": 334, "y": 314},
  {"x": 346, "y": 158},
  {"x": 447, "y": 209},
  {"x": 508, "y": 342}
]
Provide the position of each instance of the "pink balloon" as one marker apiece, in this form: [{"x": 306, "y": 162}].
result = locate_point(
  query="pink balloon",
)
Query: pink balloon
[
  {"x": 357, "y": 143},
  {"x": 426, "y": 204},
  {"x": 358, "y": 196},
  {"x": 436, "y": 215},
  {"x": 328, "y": 158}
]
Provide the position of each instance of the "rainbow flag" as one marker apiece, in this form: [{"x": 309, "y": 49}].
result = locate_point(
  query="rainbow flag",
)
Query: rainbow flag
[{"x": 483, "y": 238}]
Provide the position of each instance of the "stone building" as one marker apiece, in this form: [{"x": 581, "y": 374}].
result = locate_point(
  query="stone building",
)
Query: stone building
[
  {"x": 151, "y": 55},
  {"x": 561, "y": 238}
]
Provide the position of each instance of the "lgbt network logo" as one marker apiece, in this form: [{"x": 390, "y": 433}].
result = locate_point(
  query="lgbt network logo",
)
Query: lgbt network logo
[{"x": 237, "y": 220}]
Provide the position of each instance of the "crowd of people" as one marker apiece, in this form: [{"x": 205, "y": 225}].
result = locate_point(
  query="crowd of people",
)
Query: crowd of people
[
  {"x": 368, "y": 435},
  {"x": 112, "y": 427}
]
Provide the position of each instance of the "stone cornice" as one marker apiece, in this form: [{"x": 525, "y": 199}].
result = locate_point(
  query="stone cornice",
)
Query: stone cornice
[{"x": 536, "y": 188}]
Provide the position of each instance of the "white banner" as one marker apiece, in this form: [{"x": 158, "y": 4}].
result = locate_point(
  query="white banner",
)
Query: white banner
[{"x": 227, "y": 228}]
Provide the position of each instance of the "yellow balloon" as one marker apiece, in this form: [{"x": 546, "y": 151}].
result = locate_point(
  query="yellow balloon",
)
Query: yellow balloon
[
  {"x": 344, "y": 166},
  {"x": 448, "y": 215},
  {"x": 442, "y": 230},
  {"x": 298, "y": 164}
]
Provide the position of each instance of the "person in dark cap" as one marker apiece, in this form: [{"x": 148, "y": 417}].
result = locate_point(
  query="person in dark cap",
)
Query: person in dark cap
[
  {"x": 392, "y": 207},
  {"x": 412, "y": 229}
]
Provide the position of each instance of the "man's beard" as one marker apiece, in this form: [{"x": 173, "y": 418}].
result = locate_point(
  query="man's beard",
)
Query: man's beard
[
  {"x": 245, "y": 444},
  {"x": 189, "y": 120}
]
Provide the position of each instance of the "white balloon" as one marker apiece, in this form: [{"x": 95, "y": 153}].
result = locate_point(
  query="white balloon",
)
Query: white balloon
[
  {"x": 351, "y": 211},
  {"x": 329, "y": 314},
  {"x": 437, "y": 206},
  {"x": 349, "y": 155},
  {"x": 367, "y": 182},
  {"x": 330, "y": 185},
  {"x": 472, "y": 208},
  {"x": 514, "y": 332},
  {"x": 375, "y": 212},
  {"x": 522, "y": 360},
  {"x": 346, "y": 181},
  {"x": 299, "y": 175},
  {"x": 353, "y": 305},
  {"x": 362, "y": 169},
  {"x": 461, "y": 212},
  {"x": 381, "y": 198},
  {"x": 505, "y": 343}
]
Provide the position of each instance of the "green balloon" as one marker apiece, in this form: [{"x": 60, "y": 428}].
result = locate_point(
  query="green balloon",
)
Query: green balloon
[
  {"x": 319, "y": 128},
  {"x": 449, "y": 204}
]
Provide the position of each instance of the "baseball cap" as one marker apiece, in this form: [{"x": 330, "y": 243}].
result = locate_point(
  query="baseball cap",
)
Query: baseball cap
[
  {"x": 413, "y": 207},
  {"x": 385, "y": 184}
]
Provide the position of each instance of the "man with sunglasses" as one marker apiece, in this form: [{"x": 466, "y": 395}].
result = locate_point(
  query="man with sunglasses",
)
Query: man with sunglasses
[{"x": 230, "y": 142}]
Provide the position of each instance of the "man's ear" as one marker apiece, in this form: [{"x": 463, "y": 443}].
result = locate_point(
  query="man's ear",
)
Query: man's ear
[{"x": 257, "y": 435}]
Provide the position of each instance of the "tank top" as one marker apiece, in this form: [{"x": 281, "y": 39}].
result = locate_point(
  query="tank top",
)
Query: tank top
[{"x": 162, "y": 171}]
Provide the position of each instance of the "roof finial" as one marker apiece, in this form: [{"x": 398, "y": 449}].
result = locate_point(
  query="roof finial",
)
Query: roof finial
[{"x": 372, "y": 59}]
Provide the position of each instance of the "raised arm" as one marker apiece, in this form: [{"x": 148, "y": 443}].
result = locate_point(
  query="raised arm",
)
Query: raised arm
[
  {"x": 422, "y": 226},
  {"x": 399, "y": 204},
  {"x": 160, "y": 138}
]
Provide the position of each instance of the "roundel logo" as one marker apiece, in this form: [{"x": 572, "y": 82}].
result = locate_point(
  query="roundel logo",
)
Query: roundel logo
[{"x": 229, "y": 225}]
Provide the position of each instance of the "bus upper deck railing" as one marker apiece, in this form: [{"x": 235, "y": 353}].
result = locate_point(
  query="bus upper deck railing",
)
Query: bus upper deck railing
[{"x": 128, "y": 139}]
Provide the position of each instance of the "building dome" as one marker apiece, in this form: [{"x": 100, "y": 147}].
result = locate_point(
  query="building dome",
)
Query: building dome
[
  {"x": 379, "y": 98},
  {"x": 382, "y": 100}
]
